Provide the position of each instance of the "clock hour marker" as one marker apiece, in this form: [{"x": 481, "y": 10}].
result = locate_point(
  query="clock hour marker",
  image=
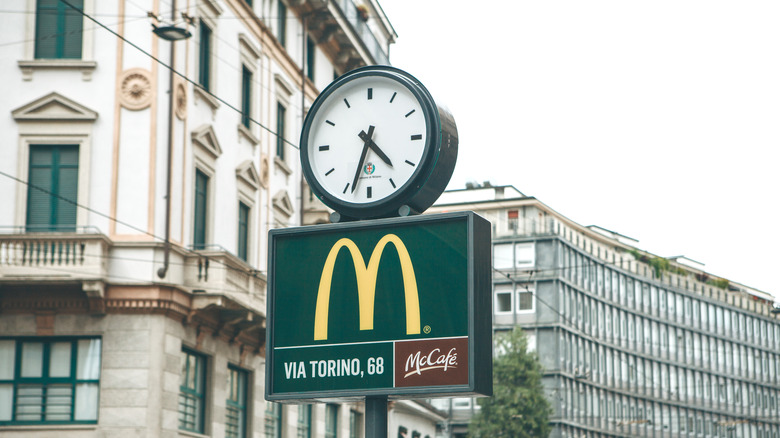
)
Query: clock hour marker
[
  {"x": 347, "y": 102},
  {"x": 330, "y": 171},
  {"x": 345, "y": 188},
  {"x": 368, "y": 192},
  {"x": 392, "y": 183},
  {"x": 330, "y": 123},
  {"x": 409, "y": 163},
  {"x": 370, "y": 93},
  {"x": 391, "y": 99},
  {"x": 417, "y": 137},
  {"x": 409, "y": 113},
  {"x": 325, "y": 147}
]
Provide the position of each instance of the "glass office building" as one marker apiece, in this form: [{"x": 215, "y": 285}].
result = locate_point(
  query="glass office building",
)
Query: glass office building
[{"x": 632, "y": 344}]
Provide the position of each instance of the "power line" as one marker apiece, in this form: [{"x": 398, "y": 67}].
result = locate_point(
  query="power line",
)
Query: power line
[
  {"x": 176, "y": 72},
  {"x": 254, "y": 272}
]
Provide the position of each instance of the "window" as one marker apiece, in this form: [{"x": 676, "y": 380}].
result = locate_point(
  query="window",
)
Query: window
[
  {"x": 304, "y": 421},
  {"x": 310, "y": 51},
  {"x": 49, "y": 381},
  {"x": 58, "y": 30},
  {"x": 273, "y": 420},
  {"x": 461, "y": 403},
  {"x": 524, "y": 255},
  {"x": 280, "y": 129},
  {"x": 235, "y": 415},
  {"x": 246, "y": 95},
  {"x": 331, "y": 420},
  {"x": 200, "y": 210},
  {"x": 192, "y": 391},
  {"x": 355, "y": 421},
  {"x": 508, "y": 256},
  {"x": 204, "y": 57},
  {"x": 504, "y": 300},
  {"x": 512, "y": 219},
  {"x": 281, "y": 22},
  {"x": 53, "y": 188},
  {"x": 243, "y": 230}
]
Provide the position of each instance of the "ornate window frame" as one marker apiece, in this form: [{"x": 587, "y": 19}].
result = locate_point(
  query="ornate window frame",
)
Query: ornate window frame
[
  {"x": 86, "y": 65},
  {"x": 54, "y": 119}
]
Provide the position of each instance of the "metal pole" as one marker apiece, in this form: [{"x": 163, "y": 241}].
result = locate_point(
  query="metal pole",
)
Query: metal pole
[
  {"x": 376, "y": 417},
  {"x": 162, "y": 272}
]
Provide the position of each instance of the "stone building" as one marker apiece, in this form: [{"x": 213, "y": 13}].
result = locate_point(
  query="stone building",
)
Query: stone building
[
  {"x": 632, "y": 344},
  {"x": 136, "y": 201}
]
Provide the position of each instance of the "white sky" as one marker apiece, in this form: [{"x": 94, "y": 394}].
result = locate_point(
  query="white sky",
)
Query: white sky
[{"x": 656, "y": 119}]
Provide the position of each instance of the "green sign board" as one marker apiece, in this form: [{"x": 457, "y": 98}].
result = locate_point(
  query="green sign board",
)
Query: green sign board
[{"x": 398, "y": 307}]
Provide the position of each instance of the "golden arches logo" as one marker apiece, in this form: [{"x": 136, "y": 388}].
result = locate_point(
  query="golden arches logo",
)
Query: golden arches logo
[{"x": 366, "y": 285}]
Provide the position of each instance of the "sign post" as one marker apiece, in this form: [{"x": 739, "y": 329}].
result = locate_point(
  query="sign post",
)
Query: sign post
[
  {"x": 389, "y": 308},
  {"x": 395, "y": 307}
]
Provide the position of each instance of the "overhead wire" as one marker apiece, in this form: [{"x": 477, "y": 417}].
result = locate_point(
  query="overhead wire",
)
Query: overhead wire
[
  {"x": 88, "y": 16},
  {"x": 179, "y": 74},
  {"x": 254, "y": 272}
]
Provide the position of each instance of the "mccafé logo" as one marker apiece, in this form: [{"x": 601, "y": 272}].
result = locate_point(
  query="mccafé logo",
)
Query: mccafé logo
[
  {"x": 366, "y": 285},
  {"x": 432, "y": 362},
  {"x": 419, "y": 362}
]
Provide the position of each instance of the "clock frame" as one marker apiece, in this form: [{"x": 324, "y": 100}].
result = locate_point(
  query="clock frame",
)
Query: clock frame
[{"x": 428, "y": 178}]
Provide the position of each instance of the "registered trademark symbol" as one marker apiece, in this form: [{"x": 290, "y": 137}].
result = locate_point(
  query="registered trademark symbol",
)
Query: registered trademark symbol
[{"x": 427, "y": 329}]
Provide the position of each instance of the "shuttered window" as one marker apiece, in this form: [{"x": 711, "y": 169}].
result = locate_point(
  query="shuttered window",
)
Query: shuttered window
[
  {"x": 201, "y": 199},
  {"x": 52, "y": 189},
  {"x": 235, "y": 416},
  {"x": 280, "y": 127},
  {"x": 281, "y": 22},
  {"x": 246, "y": 95},
  {"x": 58, "y": 29},
  {"x": 204, "y": 57},
  {"x": 192, "y": 392},
  {"x": 49, "y": 381},
  {"x": 243, "y": 230},
  {"x": 331, "y": 420},
  {"x": 310, "y": 49}
]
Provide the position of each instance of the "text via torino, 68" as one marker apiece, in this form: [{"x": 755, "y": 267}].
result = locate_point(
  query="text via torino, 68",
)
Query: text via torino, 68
[{"x": 334, "y": 368}]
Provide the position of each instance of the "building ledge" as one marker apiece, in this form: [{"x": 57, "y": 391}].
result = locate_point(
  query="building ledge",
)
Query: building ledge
[{"x": 85, "y": 67}]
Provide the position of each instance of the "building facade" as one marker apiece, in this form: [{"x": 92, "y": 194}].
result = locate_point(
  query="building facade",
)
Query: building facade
[
  {"x": 632, "y": 344},
  {"x": 138, "y": 180}
]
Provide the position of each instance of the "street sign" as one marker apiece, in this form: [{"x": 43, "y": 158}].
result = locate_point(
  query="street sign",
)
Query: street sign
[{"x": 397, "y": 307}]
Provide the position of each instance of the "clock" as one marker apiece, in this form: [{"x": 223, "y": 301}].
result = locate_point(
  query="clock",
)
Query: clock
[{"x": 375, "y": 144}]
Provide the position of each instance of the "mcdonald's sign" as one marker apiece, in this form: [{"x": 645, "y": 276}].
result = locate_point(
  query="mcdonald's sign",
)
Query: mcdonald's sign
[{"x": 398, "y": 307}]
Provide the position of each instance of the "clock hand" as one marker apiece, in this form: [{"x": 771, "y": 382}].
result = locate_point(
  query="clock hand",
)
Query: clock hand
[
  {"x": 367, "y": 138},
  {"x": 362, "y": 158}
]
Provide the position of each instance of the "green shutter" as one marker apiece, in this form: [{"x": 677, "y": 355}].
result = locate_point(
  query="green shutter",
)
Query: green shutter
[
  {"x": 243, "y": 230},
  {"x": 235, "y": 416},
  {"x": 204, "y": 57},
  {"x": 53, "y": 188},
  {"x": 310, "y": 47},
  {"x": 281, "y": 28},
  {"x": 58, "y": 30},
  {"x": 280, "y": 115},
  {"x": 192, "y": 393},
  {"x": 246, "y": 95},
  {"x": 201, "y": 198}
]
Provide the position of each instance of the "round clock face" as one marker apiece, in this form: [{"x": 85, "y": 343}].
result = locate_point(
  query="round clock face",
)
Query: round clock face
[{"x": 367, "y": 140}]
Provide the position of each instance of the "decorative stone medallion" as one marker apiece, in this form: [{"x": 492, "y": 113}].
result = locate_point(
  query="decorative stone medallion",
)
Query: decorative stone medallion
[
  {"x": 135, "y": 89},
  {"x": 180, "y": 101}
]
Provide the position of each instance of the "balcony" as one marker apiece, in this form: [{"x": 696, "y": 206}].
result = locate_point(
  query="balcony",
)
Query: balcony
[
  {"x": 213, "y": 270},
  {"x": 342, "y": 30},
  {"x": 54, "y": 257}
]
